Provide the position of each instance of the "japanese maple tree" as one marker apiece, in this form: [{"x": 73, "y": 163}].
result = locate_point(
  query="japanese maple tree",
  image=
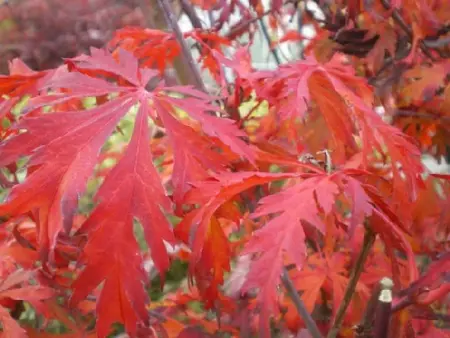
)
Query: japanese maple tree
[{"x": 270, "y": 203}]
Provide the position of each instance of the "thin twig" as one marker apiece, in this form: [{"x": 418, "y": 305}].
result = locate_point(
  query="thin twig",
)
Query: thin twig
[
  {"x": 425, "y": 116},
  {"x": 274, "y": 51},
  {"x": 172, "y": 21},
  {"x": 300, "y": 28},
  {"x": 246, "y": 117},
  {"x": 369, "y": 239},
  {"x": 301, "y": 308},
  {"x": 244, "y": 25},
  {"x": 438, "y": 43},
  {"x": 399, "y": 20}
]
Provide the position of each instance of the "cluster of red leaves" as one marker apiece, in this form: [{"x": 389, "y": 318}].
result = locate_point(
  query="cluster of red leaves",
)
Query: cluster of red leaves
[
  {"x": 216, "y": 171},
  {"x": 402, "y": 48}
]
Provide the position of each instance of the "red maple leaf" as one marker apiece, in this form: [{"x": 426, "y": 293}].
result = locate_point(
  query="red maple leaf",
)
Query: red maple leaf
[
  {"x": 22, "y": 80},
  {"x": 348, "y": 112},
  {"x": 64, "y": 149},
  {"x": 301, "y": 208},
  {"x": 155, "y": 48},
  {"x": 12, "y": 287},
  {"x": 210, "y": 256},
  {"x": 284, "y": 236},
  {"x": 328, "y": 273},
  {"x": 430, "y": 287}
]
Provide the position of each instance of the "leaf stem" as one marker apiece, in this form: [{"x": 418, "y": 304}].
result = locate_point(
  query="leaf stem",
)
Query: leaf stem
[
  {"x": 369, "y": 239},
  {"x": 301, "y": 309}
]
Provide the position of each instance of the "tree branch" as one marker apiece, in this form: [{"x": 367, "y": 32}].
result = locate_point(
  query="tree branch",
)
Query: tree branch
[
  {"x": 155, "y": 18},
  {"x": 273, "y": 51},
  {"x": 399, "y": 20},
  {"x": 301, "y": 309},
  {"x": 425, "y": 116},
  {"x": 244, "y": 25},
  {"x": 191, "y": 14},
  {"x": 172, "y": 21},
  {"x": 383, "y": 311},
  {"x": 438, "y": 43},
  {"x": 364, "y": 329},
  {"x": 369, "y": 239}
]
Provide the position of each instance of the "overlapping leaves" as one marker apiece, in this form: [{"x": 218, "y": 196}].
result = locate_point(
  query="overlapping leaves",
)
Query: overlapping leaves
[{"x": 64, "y": 146}]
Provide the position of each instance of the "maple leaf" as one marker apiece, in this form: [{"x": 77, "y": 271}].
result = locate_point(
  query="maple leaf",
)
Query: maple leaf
[
  {"x": 433, "y": 285},
  {"x": 22, "y": 80},
  {"x": 213, "y": 193},
  {"x": 138, "y": 182},
  {"x": 67, "y": 144},
  {"x": 11, "y": 288},
  {"x": 284, "y": 236},
  {"x": 328, "y": 273},
  {"x": 299, "y": 83},
  {"x": 211, "y": 44},
  {"x": 376, "y": 134},
  {"x": 192, "y": 161},
  {"x": 421, "y": 82},
  {"x": 210, "y": 255},
  {"x": 301, "y": 207},
  {"x": 159, "y": 49},
  {"x": 154, "y": 47},
  {"x": 289, "y": 36},
  {"x": 386, "y": 42}
]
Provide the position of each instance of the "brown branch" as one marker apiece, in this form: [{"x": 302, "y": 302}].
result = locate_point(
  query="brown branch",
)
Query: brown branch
[
  {"x": 244, "y": 25},
  {"x": 364, "y": 329},
  {"x": 191, "y": 14},
  {"x": 155, "y": 18},
  {"x": 369, "y": 239},
  {"x": 409, "y": 113},
  {"x": 383, "y": 311},
  {"x": 195, "y": 20},
  {"x": 399, "y": 20},
  {"x": 172, "y": 22},
  {"x": 438, "y": 43},
  {"x": 301, "y": 308}
]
